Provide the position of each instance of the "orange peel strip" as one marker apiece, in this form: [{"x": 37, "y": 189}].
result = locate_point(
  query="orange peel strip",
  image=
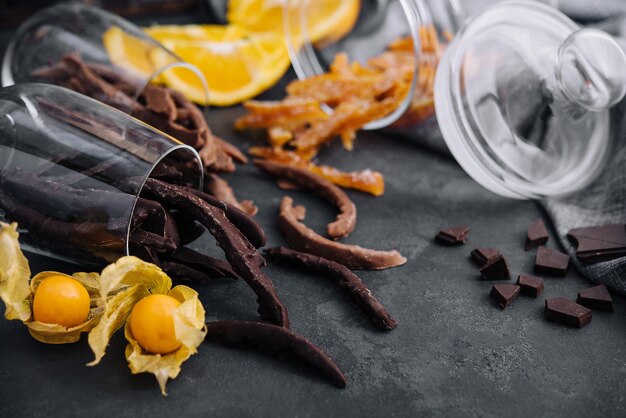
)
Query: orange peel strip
[{"x": 367, "y": 181}]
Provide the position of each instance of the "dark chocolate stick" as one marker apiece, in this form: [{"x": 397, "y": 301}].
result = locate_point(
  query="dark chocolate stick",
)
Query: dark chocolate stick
[
  {"x": 188, "y": 229},
  {"x": 348, "y": 282},
  {"x": 170, "y": 230},
  {"x": 148, "y": 210},
  {"x": 218, "y": 187},
  {"x": 345, "y": 222},
  {"x": 167, "y": 172},
  {"x": 158, "y": 106},
  {"x": 152, "y": 240},
  {"x": 244, "y": 222},
  {"x": 96, "y": 239},
  {"x": 212, "y": 267},
  {"x": 242, "y": 256},
  {"x": 58, "y": 200},
  {"x": 185, "y": 273},
  {"x": 147, "y": 254},
  {"x": 275, "y": 339}
]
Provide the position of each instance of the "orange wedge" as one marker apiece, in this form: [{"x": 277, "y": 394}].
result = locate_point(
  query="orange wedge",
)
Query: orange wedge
[
  {"x": 326, "y": 20},
  {"x": 236, "y": 63},
  {"x": 128, "y": 51}
]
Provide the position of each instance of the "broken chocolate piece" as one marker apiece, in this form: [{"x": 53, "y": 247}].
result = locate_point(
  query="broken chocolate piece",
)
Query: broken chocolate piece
[
  {"x": 504, "y": 294},
  {"x": 484, "y": 255},
  {"x": 597, "y": 297},
  {"x": 567, "y": 312},
  {"x": 345, "y": 221},
  {"x": 347, "y": 281},
  {"x": 599, "y": 243},
  {"x": 536, "y": 235},
  {"x": 274, "y": 339},
  {"x": 242, "y": 256},
  {"x": 304, "y": 239},
  {"x": 496, "y": 269},
  {"x": 549, "y": 261},
  {"x": 531, "y": 285},
  {"x": 453, "y": 236}
]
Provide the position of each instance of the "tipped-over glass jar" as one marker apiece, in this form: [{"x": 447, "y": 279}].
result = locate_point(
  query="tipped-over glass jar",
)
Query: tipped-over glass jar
[
  {"x": 64, "y": 43},
  {"x": 72, "y": 170},
  {"x": 521, "y": 93}
]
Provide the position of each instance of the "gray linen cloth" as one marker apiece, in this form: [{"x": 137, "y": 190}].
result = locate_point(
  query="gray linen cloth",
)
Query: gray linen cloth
[
  {"x": 604, "y": 201},
  {"x": 601, "y": 203}
]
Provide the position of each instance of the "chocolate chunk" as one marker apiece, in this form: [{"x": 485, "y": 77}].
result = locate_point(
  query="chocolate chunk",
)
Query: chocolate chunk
[
  {"x": 531, "y": 285},
  {"x": 496, "y": 269},
  {"x": 551, "y": 261},
  {"x": 599, "y": 243},
  {"x": 597, "y": 297},
  {"x": 455, "y": 235},
  {"x": 567, "y": 312},
  {"x": 536, "y": 235},
  {"x": 504, "y": 294},
  {"x": 484, "y": 255}
]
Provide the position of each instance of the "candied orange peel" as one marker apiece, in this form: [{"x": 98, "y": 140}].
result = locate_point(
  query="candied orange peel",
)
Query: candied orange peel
[
  {"x": 339, "y": 103},
  {"x": 367, "y": 181}
]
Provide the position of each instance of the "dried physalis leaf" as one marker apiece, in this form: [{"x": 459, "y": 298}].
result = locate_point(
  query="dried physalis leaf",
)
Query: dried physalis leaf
[
  {"x": 122, "y": 285},
  {"x": 190, "y": 330},
  {"x": 50, "y": 316},
  {"x": 14, "y": 275},
  {"x": 133, "y": 284},
  {"x": 128, "y": 271}
]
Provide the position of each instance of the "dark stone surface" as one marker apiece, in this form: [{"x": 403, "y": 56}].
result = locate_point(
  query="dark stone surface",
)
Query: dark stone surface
[{"x": 454, "y": 353}]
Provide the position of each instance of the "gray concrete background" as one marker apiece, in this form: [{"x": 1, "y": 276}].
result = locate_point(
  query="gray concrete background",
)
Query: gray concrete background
[{"x": 454, "y": 352}]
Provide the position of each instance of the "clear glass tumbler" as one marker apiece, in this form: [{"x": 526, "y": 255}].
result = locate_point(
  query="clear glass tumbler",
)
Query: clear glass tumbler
[
  {"x": 72, "y": 169},
  {"x": 110, "y": 45}
]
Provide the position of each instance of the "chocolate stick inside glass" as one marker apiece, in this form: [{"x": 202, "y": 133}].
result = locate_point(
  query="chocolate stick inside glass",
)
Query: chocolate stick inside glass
[{"x": 65, "y": 161}]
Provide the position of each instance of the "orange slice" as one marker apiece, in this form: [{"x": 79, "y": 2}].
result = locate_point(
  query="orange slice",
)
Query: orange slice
[
  {"x": 236, "y": 63},
  {"x": 128, "y": 51},
  {"x": 326, "y": 20}
]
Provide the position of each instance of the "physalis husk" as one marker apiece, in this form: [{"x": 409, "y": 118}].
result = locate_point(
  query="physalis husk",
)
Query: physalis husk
[
  {"x": 17, "y": 290},
  {"x": 143, "y": 279}
]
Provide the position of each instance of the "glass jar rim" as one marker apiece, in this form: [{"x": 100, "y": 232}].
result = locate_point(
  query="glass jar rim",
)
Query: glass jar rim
[{"x": 306, "y": 64}]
